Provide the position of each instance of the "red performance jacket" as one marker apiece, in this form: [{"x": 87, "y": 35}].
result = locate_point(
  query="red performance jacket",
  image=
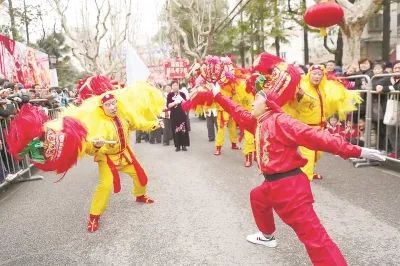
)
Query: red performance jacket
[{"x": 278, "y": 137}]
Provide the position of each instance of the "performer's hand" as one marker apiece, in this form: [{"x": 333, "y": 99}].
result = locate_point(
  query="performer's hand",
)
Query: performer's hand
[
  {"x": 180, "y": 98},
  {"x": 98, "y": 142},
  {"x": 372, "y": 154},
  {"x": 300, "y": 94},
  {"x": 17, "y": 99},
  {"x": 215, "y": 88}
]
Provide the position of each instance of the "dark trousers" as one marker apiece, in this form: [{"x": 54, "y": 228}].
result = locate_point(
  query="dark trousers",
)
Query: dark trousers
[
  {"x": 188, "y": 122},
  {"x": 167, "y": 131},
  {"x": 141, "y": 135},
  {"x": 211, "y": 126},
  {"x": 155, "y": 136}
]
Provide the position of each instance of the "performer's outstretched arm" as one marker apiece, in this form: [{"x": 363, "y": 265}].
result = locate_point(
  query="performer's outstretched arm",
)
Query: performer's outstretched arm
[
  {"x": 293, "y": 132},
  {"x": 239, "y": 114}
]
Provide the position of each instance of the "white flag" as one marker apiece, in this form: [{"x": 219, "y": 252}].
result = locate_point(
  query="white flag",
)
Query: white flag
[{"x": 136, "y": 70}]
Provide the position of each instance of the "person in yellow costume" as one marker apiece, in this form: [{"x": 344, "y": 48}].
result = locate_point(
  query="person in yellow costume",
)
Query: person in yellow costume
[
  {"x": 109, "y": 118},
  {"x": 228, "y": 89},
  {"x": 100, "y": 127},
  {"x": 246, "y": 100},
  {"x": 318, "y": 99}
]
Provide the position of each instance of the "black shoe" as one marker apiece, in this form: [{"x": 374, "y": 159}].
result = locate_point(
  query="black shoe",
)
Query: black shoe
[
  {"x": 177, "y": 149},
  {"x": 184, "y": 148},
  {"x": 211, "y": 140}
]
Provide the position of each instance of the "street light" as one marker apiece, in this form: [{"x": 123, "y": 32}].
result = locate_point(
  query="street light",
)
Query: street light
[{"x": 53, "y": 61}]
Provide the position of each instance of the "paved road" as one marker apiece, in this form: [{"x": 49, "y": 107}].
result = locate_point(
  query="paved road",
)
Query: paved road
[{"x": 201, "y": 215}]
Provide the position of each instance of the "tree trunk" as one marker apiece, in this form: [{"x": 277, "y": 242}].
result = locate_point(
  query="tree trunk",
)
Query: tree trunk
[
  {"x": 351, "y": 34},
  {"x": 305, "y": 35},
  {"x": 251, "y": 39},
  {"x": 339, "y": 49},
  {"x": 277, "y": 46},
  {"x": 26, "y": 24},
  {"x": 14, "y": 31},
  {"x": 356, "y": 16},
  {"x": 241, "y": 48},
  {"x": 262, "y": 37},
  {"x": 386, "y": 31},
  {"x": 277, "y": 24},
  {"x": 306, "y": 49},
  {"x": 242, "y": 54}
]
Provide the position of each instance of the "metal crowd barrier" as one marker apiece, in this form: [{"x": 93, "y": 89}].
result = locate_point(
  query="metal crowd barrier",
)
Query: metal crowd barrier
[
  {"x": 12, "y": 170},
  {"x": 376, "y": 135},
  {"x": 366, "y": 93},
  {"x": 391, "y": 139}
]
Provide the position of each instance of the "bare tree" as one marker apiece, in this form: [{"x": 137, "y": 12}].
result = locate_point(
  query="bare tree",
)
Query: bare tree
[
  {"x": 14, "y": 31},
  {"x": 194, "y": 28},
  {"x": 356, "y": 16},
  {"x": 98, "y": 37}
]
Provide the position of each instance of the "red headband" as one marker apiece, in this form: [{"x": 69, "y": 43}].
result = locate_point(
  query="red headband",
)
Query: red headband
[
  {"x": 316, "y": 67},
  {"x": 106, "y": 98}
]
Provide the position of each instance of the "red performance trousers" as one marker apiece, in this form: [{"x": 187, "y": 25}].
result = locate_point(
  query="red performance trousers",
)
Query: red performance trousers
[{"x": 292, "y": 200}]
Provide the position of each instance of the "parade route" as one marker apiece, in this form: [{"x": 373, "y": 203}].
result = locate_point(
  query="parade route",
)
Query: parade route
[{"x": 201, "y": 214}]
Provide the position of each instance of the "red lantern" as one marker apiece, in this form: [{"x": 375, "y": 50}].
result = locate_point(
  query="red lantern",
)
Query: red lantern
[{"x": 323, "y": 15}]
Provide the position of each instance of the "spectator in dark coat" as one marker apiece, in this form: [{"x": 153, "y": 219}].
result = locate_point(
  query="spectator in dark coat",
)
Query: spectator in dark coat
[{"x": 392, "y": 84}]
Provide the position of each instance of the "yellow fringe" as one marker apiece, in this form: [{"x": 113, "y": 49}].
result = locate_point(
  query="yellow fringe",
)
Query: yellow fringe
[
  {"x": 337, "y": 99},
  {"x": 140, "y": 104}
]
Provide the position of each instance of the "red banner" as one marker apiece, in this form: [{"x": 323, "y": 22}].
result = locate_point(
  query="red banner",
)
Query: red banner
[
  {"x": 23, "y": 64},
  {"x": 176, "y": 68}
]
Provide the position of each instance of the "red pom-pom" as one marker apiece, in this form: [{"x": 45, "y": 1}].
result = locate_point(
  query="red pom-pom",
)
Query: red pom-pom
[
  {"x": 26, "y": 125},
  {"x": 265, "y": 62},
  {"x": 93, "y": 86},
  {"x": 74, "y": 133}
]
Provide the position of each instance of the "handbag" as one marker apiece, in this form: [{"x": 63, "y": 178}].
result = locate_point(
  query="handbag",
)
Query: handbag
[{"x": 392, "y": 112}]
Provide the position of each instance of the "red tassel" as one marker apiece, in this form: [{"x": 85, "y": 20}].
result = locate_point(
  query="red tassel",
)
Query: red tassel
[
  {"x": 221, "y": 119},
  {"x": 74, "y": 134},
  {"x": 116, "y": 179},
  {"x": 138, "y": 168},
  {"x": 26, "y": 125}
]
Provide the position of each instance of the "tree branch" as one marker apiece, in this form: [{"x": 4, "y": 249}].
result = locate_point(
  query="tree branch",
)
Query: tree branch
[
  {"x": 327, "y": 47},
  {"x": 345, "y": 4}
]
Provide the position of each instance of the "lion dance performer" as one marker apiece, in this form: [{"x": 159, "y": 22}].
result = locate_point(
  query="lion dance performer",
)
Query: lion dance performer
[
  {"x": 317, "y": 100},
  {"x": 286, "y": 189},
  {"x": 233, "y": 85},
  {"x": 99, "y": 127}
]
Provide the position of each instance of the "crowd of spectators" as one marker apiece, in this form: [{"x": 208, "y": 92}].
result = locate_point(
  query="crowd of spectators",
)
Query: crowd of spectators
[
  {"x": 12, "y": 97},
  {"x": 383, "y": 137}
]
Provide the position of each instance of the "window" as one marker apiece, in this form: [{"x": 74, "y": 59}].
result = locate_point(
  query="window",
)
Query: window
[
  {"x": 398, "y": 20},
  {"x": 375, "y": 23}
]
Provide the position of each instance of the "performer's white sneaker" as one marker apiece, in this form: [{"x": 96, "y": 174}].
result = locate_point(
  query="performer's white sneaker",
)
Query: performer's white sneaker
[{"x": 260, "y": 239}]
